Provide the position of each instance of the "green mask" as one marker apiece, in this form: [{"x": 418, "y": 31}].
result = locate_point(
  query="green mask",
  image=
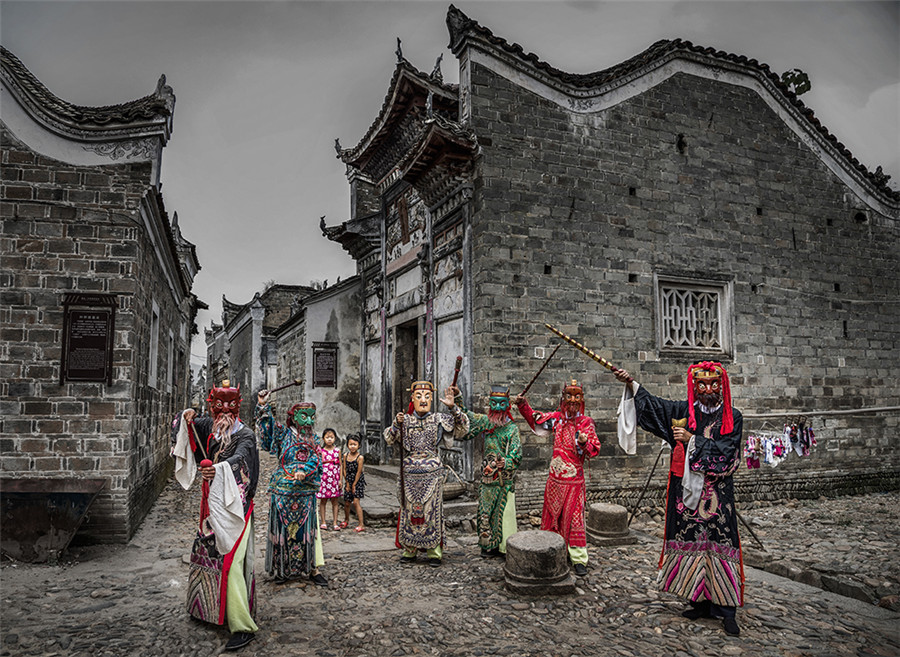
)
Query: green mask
[
  {"x": 305, "y": 417},
  {"x": 498, "y": 403}
]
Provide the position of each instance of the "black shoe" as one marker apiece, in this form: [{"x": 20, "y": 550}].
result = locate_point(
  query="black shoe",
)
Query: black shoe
[
  {"x": 434, "y": 562},
  {"x": 318, "y": 579},
  {"x": 405, "y": 559},
  {"x": 697, "y": 610},
  {"x": 731, "y": 626},
  {"x": 580, "y": 569},
  {"x": 487, "y": 554},
  {"x": 238, "y": 640}
]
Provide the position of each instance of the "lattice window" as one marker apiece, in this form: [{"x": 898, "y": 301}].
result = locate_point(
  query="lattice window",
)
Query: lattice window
[{"x": 693, "y": 316}]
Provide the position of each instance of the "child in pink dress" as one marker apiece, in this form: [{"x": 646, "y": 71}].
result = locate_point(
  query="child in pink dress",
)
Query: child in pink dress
[{"x": 330, "y": 488}]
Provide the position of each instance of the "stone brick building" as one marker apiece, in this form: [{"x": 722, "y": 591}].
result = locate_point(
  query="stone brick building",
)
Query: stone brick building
[
  {"x": 97, "y": 308},
  {"x": 683, "y": 204},
  {"x": 320, "y": 345}
]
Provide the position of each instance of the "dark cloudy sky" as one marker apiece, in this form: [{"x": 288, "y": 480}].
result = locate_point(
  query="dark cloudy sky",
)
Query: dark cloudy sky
[{"x": 264, "y": 88}]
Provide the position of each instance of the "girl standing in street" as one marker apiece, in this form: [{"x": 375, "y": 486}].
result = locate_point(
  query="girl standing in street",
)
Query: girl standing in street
[
  {"x": 354, "y": 482},
  {"x": 330, "y": 488}
]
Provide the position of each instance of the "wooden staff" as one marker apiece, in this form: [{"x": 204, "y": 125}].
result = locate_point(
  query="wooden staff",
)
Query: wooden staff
[
  {"x": 456, "y": 371},
  {"x": 538, "y": 373},
  {"x": 295, "y": 382},
  {"x": 580, "y": 347}
]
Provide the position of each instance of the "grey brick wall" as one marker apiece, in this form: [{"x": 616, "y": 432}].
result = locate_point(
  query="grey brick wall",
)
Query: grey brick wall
[
  {"x": 575, "y": 214},
  {"x": 77, "y": 229}
]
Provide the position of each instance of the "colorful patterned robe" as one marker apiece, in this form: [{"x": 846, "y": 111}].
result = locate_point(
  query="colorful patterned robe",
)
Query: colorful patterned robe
[
  {"x": 701, "y": 557},
  {"x": 496, "y": 484},
  {"x": 421, "y": 521},
  {"x": 290, "y": 544},
  {"x": 203, "y": 601},
  {"x": 564, "y": 494}
]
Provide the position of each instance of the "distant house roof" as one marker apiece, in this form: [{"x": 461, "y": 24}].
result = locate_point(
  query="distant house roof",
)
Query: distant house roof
[
  {"x": 464, "y": 30},
  {"x": 150, "y": 115}
]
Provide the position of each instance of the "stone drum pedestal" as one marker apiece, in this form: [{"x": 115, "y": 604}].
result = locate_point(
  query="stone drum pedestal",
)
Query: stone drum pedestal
[
  {"x": 607, "y": 524},
  {"x": 536, "y": 564}
]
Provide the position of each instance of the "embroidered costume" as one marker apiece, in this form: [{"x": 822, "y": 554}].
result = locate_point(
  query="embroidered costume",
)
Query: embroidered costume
[
  {"x": 502, "y": 453},
  {"x": 222, "y": 580},
  {"x": 293, "y": 525},
  {"x": 419, "y": 433},
  {"x": 574, "y": 441},
  {"x": 701, "y": 558}
]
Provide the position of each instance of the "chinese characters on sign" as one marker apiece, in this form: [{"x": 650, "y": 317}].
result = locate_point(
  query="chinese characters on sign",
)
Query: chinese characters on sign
[
  {"x": 325, "y": 364},
  {"x": 88, "y": 330}
]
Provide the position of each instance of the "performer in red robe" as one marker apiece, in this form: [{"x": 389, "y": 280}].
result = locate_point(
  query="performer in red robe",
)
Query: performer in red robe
[
  {"x": 701, "y": 558},
  {"x": 574, "y": 440}
]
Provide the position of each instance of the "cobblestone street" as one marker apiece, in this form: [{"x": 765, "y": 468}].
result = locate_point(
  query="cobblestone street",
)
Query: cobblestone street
[{"x": 129, "y": 599}]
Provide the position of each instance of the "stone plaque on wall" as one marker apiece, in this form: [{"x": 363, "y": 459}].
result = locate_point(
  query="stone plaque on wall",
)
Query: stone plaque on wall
[
  {"x": 325, "y": 364},
  {"x": 89, "y": 326}
]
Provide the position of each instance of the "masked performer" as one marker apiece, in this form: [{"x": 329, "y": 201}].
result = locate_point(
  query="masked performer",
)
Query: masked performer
[
  {"x": 293, "y": 525},
  {"x": 574, "y": 440},
  {"x": 222, "y": 582},
  {"x": 419, "y": 432},
  {"x": 701, "y": 558},
  {"x": 502, "y": 453}
]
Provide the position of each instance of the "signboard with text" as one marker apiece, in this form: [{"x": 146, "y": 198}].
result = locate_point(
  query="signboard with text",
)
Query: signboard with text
[
  {"x": 89, "y": 326},
  {"x": 325, "y": 364}
]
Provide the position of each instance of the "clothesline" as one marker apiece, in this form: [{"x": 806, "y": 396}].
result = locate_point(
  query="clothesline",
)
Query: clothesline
[{"x": 771, "y": 448}]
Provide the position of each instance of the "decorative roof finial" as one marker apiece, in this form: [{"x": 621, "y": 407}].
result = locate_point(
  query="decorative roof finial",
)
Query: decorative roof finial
[
  {"x": 322, "y": 223},
  {"x": 399, "y": 51},
  {"x": 337, "y": 146},
  {"x": 436, "y": 73},
  {"x": 165, "y": 93},
  {"x": 880, "y": 176}
]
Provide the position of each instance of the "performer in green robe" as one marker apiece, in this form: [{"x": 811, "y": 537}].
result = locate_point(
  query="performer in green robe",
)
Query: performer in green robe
[{"x": 502, "y": 453}]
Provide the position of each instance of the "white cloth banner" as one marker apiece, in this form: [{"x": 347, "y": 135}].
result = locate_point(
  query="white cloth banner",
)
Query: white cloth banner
[
  {"x": 626, "y": 418},
  {"x": 226, "y": 509},
  {"x": 185, "y": 464},
  {"x": 691, "y": 482}
]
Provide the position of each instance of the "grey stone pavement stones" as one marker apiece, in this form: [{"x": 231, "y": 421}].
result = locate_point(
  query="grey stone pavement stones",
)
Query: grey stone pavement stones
[{"x": 124, "y": 600}]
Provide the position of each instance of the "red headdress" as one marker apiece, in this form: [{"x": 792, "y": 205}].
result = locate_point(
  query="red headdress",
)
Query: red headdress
[
  {"x": 573, "y": 388},
  {"x": 710, "y": 370}
]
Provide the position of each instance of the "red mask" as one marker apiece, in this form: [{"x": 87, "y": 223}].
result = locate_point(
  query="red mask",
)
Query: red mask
[{"x": 224, "y": 400}]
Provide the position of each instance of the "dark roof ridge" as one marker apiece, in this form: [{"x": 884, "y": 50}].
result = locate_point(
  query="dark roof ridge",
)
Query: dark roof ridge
[
  {"x": 158, "y": 104},
  {"x": 461, "y": 25}
]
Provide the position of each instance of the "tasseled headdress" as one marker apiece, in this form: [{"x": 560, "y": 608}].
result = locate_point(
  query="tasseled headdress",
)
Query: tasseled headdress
[{"x": 710, "y": 370}]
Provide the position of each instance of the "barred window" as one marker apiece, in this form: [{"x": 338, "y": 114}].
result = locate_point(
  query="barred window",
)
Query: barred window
[{"x": 693, "y": 315}]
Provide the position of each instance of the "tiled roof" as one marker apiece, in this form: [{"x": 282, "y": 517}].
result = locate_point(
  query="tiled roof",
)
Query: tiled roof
[
  {"x": 424, "y": 83},
  {"x": 159, "y": 103},
  {"x": 461, "y": 26}
]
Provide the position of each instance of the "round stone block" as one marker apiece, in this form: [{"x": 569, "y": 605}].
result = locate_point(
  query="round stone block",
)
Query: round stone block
[
  {"x": 607, "y": 524},
  {"x": 536, "y": 564}
]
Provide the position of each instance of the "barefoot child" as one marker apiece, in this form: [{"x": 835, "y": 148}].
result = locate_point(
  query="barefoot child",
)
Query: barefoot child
[
  {"x": 354, "y": 482},
  {"x": 331, "y": 478}
]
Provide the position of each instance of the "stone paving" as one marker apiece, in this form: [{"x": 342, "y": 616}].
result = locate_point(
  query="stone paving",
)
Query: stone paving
[{"x": 129, "y": 599}]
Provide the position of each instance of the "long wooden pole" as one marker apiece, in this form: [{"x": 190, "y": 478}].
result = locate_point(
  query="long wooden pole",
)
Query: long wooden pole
[
  {"x": 538, "y": 373},
  {"x": 580, "y": 347}
]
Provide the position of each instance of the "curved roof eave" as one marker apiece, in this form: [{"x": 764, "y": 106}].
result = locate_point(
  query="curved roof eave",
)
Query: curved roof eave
[
  {"x": 404, "y": 72},
  {"x": 465, "y": 31},
  {"x": 150, "y": 115}
]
